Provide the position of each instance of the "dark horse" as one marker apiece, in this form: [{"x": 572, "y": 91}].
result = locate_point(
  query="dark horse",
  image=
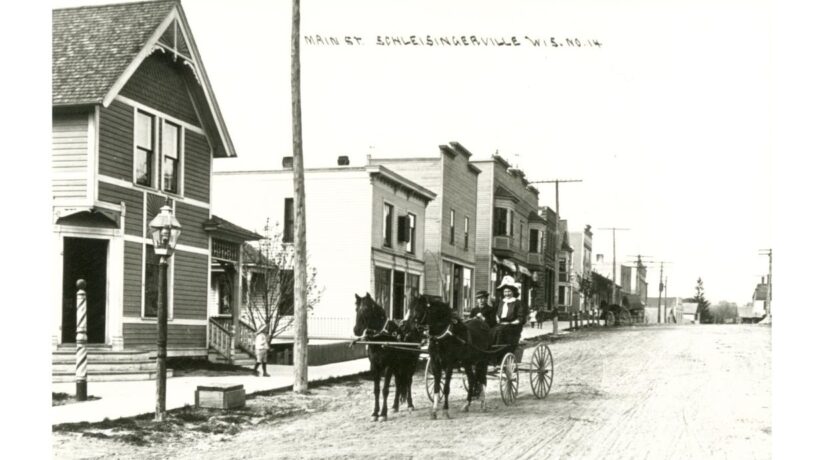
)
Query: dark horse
[
  {"x": 453, "y": 342},
  {"x": 385, "y": 362}
]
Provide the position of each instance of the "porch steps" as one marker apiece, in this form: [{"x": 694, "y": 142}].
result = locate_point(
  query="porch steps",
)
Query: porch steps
[
  {"x": 241, "y": 358},
  {"x": 105, "y": 365}
]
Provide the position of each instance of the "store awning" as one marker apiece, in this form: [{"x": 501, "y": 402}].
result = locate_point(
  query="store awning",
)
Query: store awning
[{"x": 509, "y": 264}]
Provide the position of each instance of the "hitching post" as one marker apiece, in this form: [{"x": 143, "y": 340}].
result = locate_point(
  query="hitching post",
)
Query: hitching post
[{"x": 81, "y": 338}]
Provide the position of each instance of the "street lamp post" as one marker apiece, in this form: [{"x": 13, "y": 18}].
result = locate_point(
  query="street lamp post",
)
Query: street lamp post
[{"x": 165, "y": 230}]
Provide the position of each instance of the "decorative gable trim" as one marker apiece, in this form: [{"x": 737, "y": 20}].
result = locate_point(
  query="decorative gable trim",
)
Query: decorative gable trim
[
  {"x": 147, "y": 49},
  {"x": 177, "y": 18}
]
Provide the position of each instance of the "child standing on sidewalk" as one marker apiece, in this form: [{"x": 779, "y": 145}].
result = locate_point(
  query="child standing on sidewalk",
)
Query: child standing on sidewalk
[{"x": 261, "y": 350}]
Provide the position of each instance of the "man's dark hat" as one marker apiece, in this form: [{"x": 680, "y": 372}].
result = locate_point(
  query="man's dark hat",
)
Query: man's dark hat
[{"x": 482, "y": 294}]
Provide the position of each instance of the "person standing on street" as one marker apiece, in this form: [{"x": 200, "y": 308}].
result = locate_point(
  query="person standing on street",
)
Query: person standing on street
[{"x": 261, "y": 350}]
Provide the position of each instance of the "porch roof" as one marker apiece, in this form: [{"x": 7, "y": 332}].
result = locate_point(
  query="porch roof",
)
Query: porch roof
[{"x": 222, "y": 228}]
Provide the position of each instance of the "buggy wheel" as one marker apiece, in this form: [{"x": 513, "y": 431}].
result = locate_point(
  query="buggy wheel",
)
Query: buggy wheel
[
  {"x": 508, "y": 379},
  {"x": 541, "y": 371},
  {"x": 624, "y": 318},
  {"x": 610, "y": 321},
  {"x": 429, "y": 378}
]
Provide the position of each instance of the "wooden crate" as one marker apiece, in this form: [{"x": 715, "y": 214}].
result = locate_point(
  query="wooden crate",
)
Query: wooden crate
[{"x": 225, "y": 396}]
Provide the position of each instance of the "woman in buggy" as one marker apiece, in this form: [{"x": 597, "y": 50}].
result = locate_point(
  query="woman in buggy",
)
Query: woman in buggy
[{"x": 511, "y": 315}]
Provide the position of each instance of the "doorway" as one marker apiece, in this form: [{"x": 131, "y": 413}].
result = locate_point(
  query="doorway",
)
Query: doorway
[{"x": 85, "y": 258}]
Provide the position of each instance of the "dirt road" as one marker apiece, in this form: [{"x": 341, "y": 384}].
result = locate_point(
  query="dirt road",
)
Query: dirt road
[{"x": 674, "y": 392}]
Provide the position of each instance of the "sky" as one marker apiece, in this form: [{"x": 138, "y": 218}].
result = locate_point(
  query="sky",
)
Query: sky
[{"x": 666, "y": 123}]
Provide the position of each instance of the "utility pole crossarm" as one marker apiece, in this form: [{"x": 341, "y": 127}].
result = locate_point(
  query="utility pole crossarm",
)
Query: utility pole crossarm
[
  {"x": 614, "y": 268},
  {"x": 557, "y": 243}
]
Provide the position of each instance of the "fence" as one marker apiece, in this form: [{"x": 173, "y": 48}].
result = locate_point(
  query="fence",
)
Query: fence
[{"x": 323, "y": 327}]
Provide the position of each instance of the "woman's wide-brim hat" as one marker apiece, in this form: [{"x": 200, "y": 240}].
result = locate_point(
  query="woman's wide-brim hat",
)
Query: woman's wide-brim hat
[{"x": 509, "y": 282}]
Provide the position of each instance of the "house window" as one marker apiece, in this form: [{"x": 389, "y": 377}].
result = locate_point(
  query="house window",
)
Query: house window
[
  {"x": 413, "y": 283},
  {"x": 511, "y": 225},
  {"x": 451, "y": 226},
  {"x": 534, "y": 240},
  {"x": 562, "y": 296},
  {"x": 388, "y": 211},
  {"x": 150, "y": 289},
  {"x": 398, "y": 294},
  {"x": 467, "y": 290},
  {"x": 466, "y": 232},
  {"x": 499, "y": 222},
  {"x": 383, "y": 287},
  {"x": 144, "y": 148},
  {"x": 152, "y": 160},
  {"x": 171, "y": 156},
  {"x": 521, "y": 235},
  {"x": 224, "y": 293},
  {"x": 411, "y": 222},
  {"x": 288, "y": 220}
]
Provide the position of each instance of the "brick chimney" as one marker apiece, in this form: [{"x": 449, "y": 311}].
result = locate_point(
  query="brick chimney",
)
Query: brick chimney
[
  {"x": 287, "y": 162},
  {"x": 343, "y": 160}
]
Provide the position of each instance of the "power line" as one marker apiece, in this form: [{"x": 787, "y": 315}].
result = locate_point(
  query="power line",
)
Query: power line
[
  {"x": 614, "y": 279},
  {"x": 557, "y": 242}
]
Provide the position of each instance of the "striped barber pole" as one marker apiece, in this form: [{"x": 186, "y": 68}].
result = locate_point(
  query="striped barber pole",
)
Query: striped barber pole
[{"x": 81, "y": 358}]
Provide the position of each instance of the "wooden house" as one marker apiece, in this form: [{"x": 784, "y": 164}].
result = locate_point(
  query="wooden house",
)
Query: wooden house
[
  {"x": 450, "y": 220},
  {"x": 135, "y": 125},
  {"x": 510, "y": 232},
  {"x": 365, "y": 228}
]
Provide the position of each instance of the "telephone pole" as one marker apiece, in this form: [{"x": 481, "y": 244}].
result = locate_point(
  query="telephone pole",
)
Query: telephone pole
[
  {"x": 557, "y": 244},
  {"x": 301, "y": 368},
  {"x": 614, "y": 279},
  {"x": 768, "y": 301},
  {"x": 639, "y": 264},
  {"x": 661, "y": 312}
]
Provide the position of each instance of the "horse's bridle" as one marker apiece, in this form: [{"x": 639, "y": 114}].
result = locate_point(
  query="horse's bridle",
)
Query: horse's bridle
[{"x": 366, "y": 334}]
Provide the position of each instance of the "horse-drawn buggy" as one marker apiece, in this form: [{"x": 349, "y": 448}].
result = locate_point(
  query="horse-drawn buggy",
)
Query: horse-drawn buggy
[
  {"x": 540, "y": 369},
  {"x": 432, "y": 329}
]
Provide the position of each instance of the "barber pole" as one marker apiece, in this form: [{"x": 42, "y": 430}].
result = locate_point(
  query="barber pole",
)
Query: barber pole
[{"x": 82, "y": 360}]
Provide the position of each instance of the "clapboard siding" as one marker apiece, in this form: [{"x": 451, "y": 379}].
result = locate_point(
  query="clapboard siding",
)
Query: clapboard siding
[
  {"x": 483, "y": 226},
  {"x": 158, "y": 84},
  {"x": 117, "y": 141},
  {"x": 134, "y": 205},
  {"x": 191, "y": 220},
  {"x": 70, "y": 156},
  {"x": 460, "y": 192},
  {"x": 196, "y": 166},
  {"x": 191, "y": 285},
  {"x": 144, "y": 335},
  {"x": 132, "y": 278}
]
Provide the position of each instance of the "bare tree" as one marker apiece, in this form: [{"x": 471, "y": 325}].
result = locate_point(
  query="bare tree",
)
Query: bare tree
[{"x": 270, "y": 293}]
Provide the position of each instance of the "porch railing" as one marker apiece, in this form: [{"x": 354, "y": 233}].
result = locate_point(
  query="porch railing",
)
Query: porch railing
[
  {"x": 220, "y": 336},
  {"x": 245, "y": 339}
]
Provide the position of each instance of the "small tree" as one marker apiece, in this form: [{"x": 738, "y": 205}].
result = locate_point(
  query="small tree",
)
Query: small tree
[
  {"x": 703, "y": 309},
  {"x": 269, "y": 293}
]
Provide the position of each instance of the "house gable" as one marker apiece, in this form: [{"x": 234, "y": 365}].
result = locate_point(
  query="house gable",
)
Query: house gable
[{"x": 104, "y": 52}]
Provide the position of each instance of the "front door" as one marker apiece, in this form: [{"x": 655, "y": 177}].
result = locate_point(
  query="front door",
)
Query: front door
[
  {"x": 457, "y": 286},
  {"x": 85, "y": 258}
]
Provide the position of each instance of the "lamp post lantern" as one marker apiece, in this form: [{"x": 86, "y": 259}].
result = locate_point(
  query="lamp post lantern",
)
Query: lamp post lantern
[{"x": 165, "y": 230}]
